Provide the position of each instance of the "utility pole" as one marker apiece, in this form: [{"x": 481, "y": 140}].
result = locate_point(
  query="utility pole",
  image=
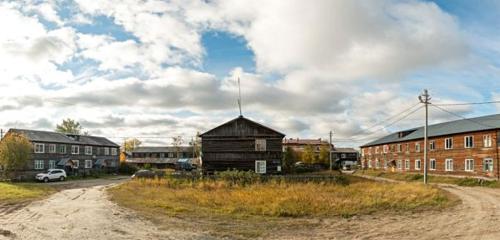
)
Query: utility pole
[
  {"x": 1, "y": 134},
  {"x": 331, "y": 149},
  {"x": 425, "y": 98}
]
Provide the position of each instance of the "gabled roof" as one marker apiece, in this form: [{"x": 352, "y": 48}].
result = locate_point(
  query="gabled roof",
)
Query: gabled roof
[
  {"x": 165, "y": 149},
  {"x": 55, "y": 137},
  {"x": 243, "y": 119},
  {"x": 483, "y": 123}
]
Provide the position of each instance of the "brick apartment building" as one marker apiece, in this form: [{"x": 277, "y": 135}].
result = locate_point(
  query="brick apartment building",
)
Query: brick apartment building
[{"x": 466, "y": 147}]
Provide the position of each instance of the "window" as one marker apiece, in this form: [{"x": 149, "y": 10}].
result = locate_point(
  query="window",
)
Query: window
[
  {"x": 260, "y": 145},
  {"x": 417, "y": 164},
  {"x": 487, "y": 141},
  {"x": 76, "y": 163},
  {"x": 75, "y": 149},
  {"x": 114, "y": 151},
  {"x": 469, "y": 165},
  {"x": 39, "y": 148},
  {"x": 377, "y": 164},
  {"x": 370, "y": 151},
  {"x": 260, "y": 166},
  {"x": 407, "y": 147},
  {"x": 376, "y": 150},
  {"x": 52, "y": 148},
  {"x": 88, "y": 150},
  {"x": 343, "y": 155},
  {"x": 417, "y": 147},
  {"x": 62, "y": 149},
  {"x": 432, "y": 164},
  {"x": 386, "y": 148},
  {"x": 448, "y": 165},
  {"x": 432, "y": 145},
  {"x": 407, "y": 164},
  {"x": 400, "y": 148},
  {"x": 448, "y": 143},
  {"x": 39, "y": 164},
  {"x": 106, "y": 151},
  {"x": 88, "y": 163},
  {"x": 52, "y": 164},
  {"x": 399, "y": 164},
  {"x": 468, "y": 141},
  {"x": 488, "y": 165}
]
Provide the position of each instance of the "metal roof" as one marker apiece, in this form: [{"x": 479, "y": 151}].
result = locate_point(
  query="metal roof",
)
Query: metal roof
[
  {"x": 164, "y": 149},
  {"x": 344, "y": 150},
  {"x": 483, "y": 123},
  {"x": 55, "y": 137},
  {"x": 244, "y": 119}
]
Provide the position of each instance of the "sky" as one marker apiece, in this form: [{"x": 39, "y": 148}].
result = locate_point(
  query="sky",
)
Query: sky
[{"x": 155, "y": 69}]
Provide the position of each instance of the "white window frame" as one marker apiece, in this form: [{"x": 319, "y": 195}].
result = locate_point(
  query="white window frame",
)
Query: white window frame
[
  {"x": 448, "y": 165},
  {"x": 42, "y": 148},
  {"x": 419, "y": 165},
  {"x": 106, "y": 151},
  {"x": 450, "y": 145},
  {"x": 62, "y": 147},
  {"x": 114, "y": 151},
  {"x": 39, "y": 164},
  {"x": 52, "y": 164},
  {"x": 76, "y": 163},
  {"x": 260, "y": 166},
  {"x": 417, "y": 147},
  {"x": 432, "y": 160},
  {"x": 52, "y": 148},
  {"x": 407, "y": 164},
  {"x": 399, "y": 164},
  {"x": 490, "y": 169},
  {"x": 260, "y": 145},
  {"x": 377, "y": 163},
  {"x": 88, "y": 150},
  {"x": 377, "y": 148},
  {"x": 88, "y": 163},
  {"x": 468, "y": 167},
  {"x": 75, "y": 147},
  {"x": 386, "y": 148},
  {"x": 469, "y": 142},
  {"x": 407, "y": 147},
  {"x": 432, "y": 145},
  {"x": 369, "y": 163},
  {"x": 487, "y": 141},
  {"x": 400, "y": 148}
]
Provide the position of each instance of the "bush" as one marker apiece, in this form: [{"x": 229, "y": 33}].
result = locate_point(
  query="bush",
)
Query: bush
[
  {"x": 472, "y": 182},
  {"x": 236, "y": 177},
  {"x": 414, "y": 177},
  {"x": 126, "y": 168}
]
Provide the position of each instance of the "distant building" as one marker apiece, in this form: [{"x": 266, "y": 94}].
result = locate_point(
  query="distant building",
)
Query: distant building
[
  {"x": 299, "y": 145},
  {"x": 464, "y": 147},
  {"x": 242, "y": 144},
  {"x": 74, "y": 153},
  {"x": 159, "y": 157},
  {"x": 345, "y": 156}
]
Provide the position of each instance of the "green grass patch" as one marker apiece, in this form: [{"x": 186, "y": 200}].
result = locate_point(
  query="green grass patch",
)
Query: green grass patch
[{"x": 18, "y": 192}]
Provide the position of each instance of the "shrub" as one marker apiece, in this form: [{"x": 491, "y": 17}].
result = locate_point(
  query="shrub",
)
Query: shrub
[
  {"x": 126, "y": 168},
  {"x": 238, "y": 177}
]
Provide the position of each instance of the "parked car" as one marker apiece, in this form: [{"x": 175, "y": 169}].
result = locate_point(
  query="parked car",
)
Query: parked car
[
  {"x": 185, "y": 164},
  {"x": 145, "y": 173},
  {"x": 51, "y": 175}
]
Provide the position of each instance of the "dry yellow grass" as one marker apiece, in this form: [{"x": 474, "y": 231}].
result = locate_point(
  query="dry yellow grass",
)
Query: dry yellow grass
[
  {"x": 210, "y": 198},
  {"x": 22, "y": 192}
]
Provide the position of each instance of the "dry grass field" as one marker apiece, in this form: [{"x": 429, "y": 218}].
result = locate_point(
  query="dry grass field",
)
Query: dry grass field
[{"x": 11, "y": 193}]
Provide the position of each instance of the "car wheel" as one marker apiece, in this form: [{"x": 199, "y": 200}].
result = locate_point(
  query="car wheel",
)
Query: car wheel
[
  {"x": 46, "y": 180},
  {"x": 61, "y": 178}
]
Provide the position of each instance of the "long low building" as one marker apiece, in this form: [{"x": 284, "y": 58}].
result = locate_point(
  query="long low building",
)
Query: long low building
[
  {"x": 160, "y": 157},
  {"x": 466, "y": 147}
]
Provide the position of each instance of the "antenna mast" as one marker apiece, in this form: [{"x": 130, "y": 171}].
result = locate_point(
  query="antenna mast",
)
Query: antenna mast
[{"x": 239, "y": 96}]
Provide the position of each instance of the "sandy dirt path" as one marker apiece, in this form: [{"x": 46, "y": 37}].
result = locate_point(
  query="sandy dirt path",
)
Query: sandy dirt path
[{"x": 81, "y": 213}]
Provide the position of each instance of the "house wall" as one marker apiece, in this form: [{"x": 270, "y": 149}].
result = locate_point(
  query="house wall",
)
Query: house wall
[{"x": 458, "y": 153}]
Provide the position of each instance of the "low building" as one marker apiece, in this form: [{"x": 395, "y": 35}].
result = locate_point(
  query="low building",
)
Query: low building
[
  {"x": 467, "y": 147},
  {"x": 159, "y": 157},
  {"x": 300, "y": 145},
  {"x": 345, "y": 156},
  {"x": 242, "y": 144},
  {"x": 74, "y": 153}
]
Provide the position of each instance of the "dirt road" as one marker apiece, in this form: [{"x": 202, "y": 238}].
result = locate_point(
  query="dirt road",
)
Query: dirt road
[
  {"x": 82, "y": 212},
  {"x": 86, "y": 213}
]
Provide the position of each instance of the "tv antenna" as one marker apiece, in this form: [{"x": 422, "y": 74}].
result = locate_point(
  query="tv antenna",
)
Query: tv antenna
[{"x": 239, "y": 96}]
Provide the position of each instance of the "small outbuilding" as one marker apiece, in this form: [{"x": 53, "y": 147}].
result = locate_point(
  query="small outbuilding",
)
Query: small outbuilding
[{"x": 242, "y": 144}]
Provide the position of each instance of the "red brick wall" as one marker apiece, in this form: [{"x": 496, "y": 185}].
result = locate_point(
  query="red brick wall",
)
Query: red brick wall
[{"x": 459, "y": 153}]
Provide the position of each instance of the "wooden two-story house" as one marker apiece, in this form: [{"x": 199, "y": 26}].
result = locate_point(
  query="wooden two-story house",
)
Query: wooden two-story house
[
  {"x": 242, "y": 144},
  {"x": 74, "y": 153}
]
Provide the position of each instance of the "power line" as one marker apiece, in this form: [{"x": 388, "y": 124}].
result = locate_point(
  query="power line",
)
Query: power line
[
  {"x": 462, "y": 117},
  {"x": 465, "y": 104}
]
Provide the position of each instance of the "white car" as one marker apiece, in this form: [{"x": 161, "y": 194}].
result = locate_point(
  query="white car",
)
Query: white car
[{"x": 52, "y": 174}]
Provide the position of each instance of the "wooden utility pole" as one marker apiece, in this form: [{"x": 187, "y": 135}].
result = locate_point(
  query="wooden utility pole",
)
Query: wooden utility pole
[{"x": 425, "y": 98}]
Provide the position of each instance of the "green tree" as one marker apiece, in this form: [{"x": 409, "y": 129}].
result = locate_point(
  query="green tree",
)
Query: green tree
[
  {"x": 69, "y": 126},
  {"x": 196, "y": 144},
  {"x": 177, "y": 143},
  {"x": 130, "y": 144},
  {"x": 15, "y": 151},
  {"x": 289, "y": 160},
  {"x": 324, "y": 155},
  {"x": 308, "y": 155}
]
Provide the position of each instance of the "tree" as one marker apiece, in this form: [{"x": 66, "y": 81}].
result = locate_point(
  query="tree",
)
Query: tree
[
  {"x": 196, "y": 144},
  {"x": 177, "y": 143},
  {"x": 324, "y": 155},
  {"x": 289, "y": 160},
  {"x": 130, "y": 144},
  {"x": 308, "y": 155},
  {"x": 15, "y": 151},
  {"x": 69, "y": 126}
]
